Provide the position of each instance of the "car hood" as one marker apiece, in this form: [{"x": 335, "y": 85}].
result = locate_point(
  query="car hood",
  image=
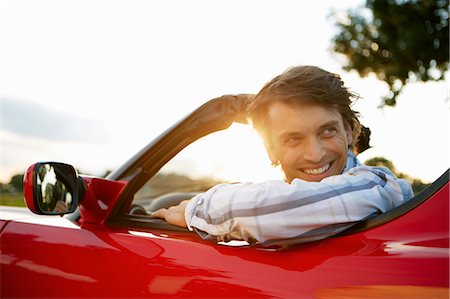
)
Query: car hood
[
  {"x": 24, "y": 215},
  {"x": 16, "y": 213}
]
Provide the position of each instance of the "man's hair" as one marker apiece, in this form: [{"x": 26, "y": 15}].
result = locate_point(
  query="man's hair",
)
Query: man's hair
[{"x": 305, "y": 85}]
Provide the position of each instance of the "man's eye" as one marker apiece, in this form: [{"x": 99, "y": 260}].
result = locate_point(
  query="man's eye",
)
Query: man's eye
[
  {"x": 328, "y": 132},
  {"x": 292, "y": 141}
]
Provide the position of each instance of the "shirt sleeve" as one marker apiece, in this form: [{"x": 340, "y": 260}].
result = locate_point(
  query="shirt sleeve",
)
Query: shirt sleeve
[{"x": 275, "y": 212}]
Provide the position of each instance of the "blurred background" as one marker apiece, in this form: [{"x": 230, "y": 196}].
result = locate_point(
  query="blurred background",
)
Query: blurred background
[{"x": 90, "y": 83}]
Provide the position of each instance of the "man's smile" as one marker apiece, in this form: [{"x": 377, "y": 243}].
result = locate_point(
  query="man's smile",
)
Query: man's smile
[{"x": 316, "y": 171}]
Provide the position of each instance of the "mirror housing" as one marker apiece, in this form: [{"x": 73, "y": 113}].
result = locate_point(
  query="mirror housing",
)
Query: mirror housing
[{"x": 52, "y": 188}]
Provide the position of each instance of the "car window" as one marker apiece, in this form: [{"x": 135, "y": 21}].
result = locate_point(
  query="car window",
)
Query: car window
[{"x": 233, "y": 155}]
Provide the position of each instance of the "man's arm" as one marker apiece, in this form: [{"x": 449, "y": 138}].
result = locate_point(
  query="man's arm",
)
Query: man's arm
[{"x": 275, "y": 212}]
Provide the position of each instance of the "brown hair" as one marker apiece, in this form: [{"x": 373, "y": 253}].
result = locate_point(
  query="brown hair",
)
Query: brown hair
[{"x": 306, "y": 84}]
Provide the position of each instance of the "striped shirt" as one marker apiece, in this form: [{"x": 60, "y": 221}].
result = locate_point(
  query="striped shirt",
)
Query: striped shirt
[{"x": 275, "y": 212}]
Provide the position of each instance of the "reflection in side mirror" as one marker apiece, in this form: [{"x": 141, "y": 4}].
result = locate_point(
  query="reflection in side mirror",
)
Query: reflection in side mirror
[
  {"x": 53, "y": 194},
  {"x": 52, "y": 188}
]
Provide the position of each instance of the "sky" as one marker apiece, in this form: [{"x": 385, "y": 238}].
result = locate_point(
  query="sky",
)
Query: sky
[{"x": 90, "y": 83}]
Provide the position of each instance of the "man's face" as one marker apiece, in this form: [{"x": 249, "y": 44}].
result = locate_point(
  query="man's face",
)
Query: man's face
[{"x": 309, "y": 141}]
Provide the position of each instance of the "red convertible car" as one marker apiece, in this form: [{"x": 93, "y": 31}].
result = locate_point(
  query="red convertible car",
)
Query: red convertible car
[{"x": 94, "y": 237}]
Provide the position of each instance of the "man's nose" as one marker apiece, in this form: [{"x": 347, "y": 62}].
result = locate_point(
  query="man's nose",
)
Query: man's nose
[{"x": 313, "y": 150}]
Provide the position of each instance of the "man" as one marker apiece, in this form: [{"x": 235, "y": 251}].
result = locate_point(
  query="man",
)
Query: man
[{"x": 308, "y": 127}]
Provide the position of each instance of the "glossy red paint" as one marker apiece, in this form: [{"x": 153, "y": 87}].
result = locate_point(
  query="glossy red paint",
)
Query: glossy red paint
[
  {"x": 28, "y": 188},
  {"x": 2, "y": 224},
  {"x": 99, "y": 199},
  {"x": 56, "y": 258}
]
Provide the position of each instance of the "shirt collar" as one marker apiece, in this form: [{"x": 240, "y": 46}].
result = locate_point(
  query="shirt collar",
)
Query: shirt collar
[{"x": 352, "y": 161}]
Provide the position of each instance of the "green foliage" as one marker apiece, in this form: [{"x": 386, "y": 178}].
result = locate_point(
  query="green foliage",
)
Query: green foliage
[
  {"x": 400, "y": 41},
  {"x": 12, "y": 199},
  {"x": 380, "y": 161},
  {"x": 17, "y": 182},
  {"x": 418, "y": 186}
]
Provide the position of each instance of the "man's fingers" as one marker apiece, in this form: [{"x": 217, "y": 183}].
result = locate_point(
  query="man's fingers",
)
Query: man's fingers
[
  {"x": 161, "y": 213},
  {"x": 244, "y": 96},
  {"x": 173, "y": 215}
]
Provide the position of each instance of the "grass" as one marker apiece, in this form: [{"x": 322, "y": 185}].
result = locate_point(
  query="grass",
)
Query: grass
[{"x": 12, "y": 199}]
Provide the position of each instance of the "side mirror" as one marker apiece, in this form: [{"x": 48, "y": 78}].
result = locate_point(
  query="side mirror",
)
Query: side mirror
[{"x": 52, "y": 188}]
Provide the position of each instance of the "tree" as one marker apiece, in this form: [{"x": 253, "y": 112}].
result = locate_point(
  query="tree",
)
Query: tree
[
  {"x": 380, "y": 161},
  {"x": 17, "y": 182},
  {"x": 400, "y": 41}
]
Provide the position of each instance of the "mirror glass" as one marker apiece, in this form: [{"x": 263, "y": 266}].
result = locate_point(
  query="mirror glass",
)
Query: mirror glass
[{"x": 56, "y": 188}]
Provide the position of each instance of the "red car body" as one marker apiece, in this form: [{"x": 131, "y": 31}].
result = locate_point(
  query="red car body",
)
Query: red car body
[{"x": 99, "y": 252}]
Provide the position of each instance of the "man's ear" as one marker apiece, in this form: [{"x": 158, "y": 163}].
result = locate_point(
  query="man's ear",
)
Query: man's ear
[
  {"x": 349, "y": 134},
  {"x": 271, "y": 151}
]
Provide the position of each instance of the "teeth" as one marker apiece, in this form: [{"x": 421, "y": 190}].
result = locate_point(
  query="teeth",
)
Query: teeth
[{"x": 318, "y": 170}]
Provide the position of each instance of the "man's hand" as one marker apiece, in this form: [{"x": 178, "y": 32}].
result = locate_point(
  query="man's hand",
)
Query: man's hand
[
  {"x": 173, "y": 215},
  {"x": 239, "y": 103}
]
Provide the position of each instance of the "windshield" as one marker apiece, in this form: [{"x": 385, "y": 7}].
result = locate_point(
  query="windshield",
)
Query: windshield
[{"x": 233, "y": 155}]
